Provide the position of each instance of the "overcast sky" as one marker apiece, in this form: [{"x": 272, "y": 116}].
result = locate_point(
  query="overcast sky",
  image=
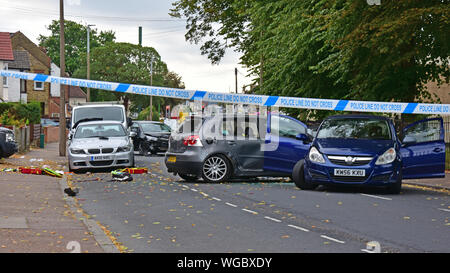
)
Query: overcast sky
[{"x": 166, "y": 34}]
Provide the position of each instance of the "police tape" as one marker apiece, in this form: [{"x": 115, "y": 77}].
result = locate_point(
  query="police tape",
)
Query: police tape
[{"x": 261, "y": 100}]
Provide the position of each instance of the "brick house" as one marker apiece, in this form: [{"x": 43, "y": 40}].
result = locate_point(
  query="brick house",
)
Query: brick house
[
  {"x": 6, "y": 54},
  {"x": 39, "y": 63}
]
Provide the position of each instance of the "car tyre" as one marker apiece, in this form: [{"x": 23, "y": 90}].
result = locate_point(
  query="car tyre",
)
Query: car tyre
[
  {"x": 143, "y": 149},
  {"x": 216, "y": 169},
  {"x": 188, "y": 177},
  {"x": 298, "y": 175},
  {"x": 396, "y": 187}
]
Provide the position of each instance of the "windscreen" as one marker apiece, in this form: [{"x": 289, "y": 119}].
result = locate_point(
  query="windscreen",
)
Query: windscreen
[
  {"x": 100, "y": 130},
  {"x": 155, "y": 127},
  {"x": 357, "y": 128},
  {"x": 105, "y": 113}
]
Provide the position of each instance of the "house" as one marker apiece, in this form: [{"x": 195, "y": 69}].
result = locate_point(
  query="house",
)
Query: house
[
  {"x": 40, "y": 64},
  {"x": 17, "y": 88},
  {"x": 6, "y": 54},
  {"x": 75, "y": 95}
]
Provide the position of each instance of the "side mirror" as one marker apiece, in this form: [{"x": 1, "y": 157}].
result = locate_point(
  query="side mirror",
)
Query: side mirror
[
  {"x": 132, "y": 134},
  {"x": 302, "y": 137},
  {"x": 408, "y": 140},
  {"x": 129, "y": 122}
]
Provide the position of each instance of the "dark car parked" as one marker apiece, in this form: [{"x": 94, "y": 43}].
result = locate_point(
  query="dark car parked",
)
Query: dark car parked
[
  {"x": 8, "y": 146},
  {"x": 150, "y": 136}
]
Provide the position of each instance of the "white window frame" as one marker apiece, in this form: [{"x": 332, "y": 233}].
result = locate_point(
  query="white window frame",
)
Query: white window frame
[
  {"x": 38, "y": 88},
  {"x": 5, "y": 79}
]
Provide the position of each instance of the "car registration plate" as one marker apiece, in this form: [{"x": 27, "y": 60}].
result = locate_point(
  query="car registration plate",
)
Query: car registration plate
[
  {"x": 100, "y": 157},
  {"x": 172, "y": 159},
  {"x": 349, "y": 172}
]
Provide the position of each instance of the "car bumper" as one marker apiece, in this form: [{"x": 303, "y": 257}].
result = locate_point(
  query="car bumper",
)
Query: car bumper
[
  {"x": 125, "y": 159},
  {"x": 375, "y": 175},
  {"x": 189, "y": 162}
]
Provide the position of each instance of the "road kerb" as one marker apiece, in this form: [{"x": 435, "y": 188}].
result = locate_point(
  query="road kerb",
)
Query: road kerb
[{"x": 104, "y": 241}]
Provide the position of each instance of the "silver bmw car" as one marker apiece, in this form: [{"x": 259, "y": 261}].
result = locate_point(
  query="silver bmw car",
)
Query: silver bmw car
[{"x": 100, "y": 144}]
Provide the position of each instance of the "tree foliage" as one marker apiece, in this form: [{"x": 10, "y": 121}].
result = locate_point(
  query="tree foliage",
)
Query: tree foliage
[
  {"x": 342, "y": 49},
  {"x": 75, "y": 36}
]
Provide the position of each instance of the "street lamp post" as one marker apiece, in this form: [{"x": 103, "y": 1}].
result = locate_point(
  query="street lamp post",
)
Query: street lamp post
[{"x": 88, "y": 61}]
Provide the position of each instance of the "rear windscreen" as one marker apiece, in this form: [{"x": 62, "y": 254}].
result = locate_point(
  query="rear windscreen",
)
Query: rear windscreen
[{"x": 105, "y": 113}]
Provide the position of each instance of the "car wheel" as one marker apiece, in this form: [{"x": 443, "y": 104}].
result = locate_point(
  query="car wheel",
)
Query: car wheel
[
  {"x": 143, "y": 148},
  {"x": 216, "y": 169},
  {"x": 188, "y": 177},
  {"x": 298, "y": 175},
  {"x": 396, "y": 187}
]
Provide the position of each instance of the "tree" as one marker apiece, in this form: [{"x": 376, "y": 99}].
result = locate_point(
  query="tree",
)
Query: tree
[
  {"x": 75, "y": 35},
  {"x": 341, "y": 49},
  {"x": 128, "y": 63}
]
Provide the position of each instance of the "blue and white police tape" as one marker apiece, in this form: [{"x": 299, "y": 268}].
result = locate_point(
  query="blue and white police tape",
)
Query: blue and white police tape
[{"x": 261, "y": 100}]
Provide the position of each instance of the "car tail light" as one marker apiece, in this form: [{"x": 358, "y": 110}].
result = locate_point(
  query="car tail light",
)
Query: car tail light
[{"x": 193, "y": 140}]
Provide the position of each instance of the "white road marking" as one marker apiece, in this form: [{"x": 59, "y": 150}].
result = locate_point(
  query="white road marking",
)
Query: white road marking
[
  {"x": 375, "y": 196},
  {"x": 217, "y": 199},
  {"x": 232, "y": 205},
  {"x": 447, "y": 210},
  {"x": 194, "y": 190},
  {"x": 204, "y": 194},
  {"x": 184, "y": 186},
  {"x": 299, "y": 228},
  {"x": 272, "y": 219},
  {"x": 332, "y": 239},
  {"x": 250, "y": 211}
]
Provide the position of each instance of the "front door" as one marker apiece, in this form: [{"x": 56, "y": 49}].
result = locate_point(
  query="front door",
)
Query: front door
[{"x": 423, "y": 149}]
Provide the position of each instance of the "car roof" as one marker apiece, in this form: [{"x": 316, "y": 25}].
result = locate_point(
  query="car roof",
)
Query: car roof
[
  {"x": 358, "y": 116},
  {"x": 100, "y": 122},
  {"x": 147, "y": 121}
]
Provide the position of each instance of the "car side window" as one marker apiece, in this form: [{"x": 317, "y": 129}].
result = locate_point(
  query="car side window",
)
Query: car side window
[
  {"x": 286, "y": 127},
  {"x": 425, "y": 131}
]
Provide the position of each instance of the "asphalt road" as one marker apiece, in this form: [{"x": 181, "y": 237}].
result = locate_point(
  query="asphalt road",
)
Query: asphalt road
[{"x": 159, "y": 212}]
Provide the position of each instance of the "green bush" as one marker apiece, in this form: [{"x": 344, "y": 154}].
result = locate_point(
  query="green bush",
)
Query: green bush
[
  {"x": 143, "y": 115},
  {"x": 12, "y": 113}
]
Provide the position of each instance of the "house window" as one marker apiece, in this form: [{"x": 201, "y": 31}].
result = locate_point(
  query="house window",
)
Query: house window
[
  {"x": 23, "y": 86},
  {"x": 38, "y": 85}
]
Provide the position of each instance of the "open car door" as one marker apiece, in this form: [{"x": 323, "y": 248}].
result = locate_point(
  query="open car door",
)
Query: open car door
[
  {"x": 285, "y": 143},
  {"x": 423, "y": 149}
]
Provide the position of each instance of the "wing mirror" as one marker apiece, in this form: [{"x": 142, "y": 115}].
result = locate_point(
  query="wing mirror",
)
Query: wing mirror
[
  {"x": 303, "y": 137},
  {"x": 129, "y": 122},
  {"x": 408, "y": 140},
  {"x": 132, "y": 134}
]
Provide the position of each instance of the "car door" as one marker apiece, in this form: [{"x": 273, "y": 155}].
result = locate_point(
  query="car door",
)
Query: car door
[
  {"x": 244, "y": 142},
  {"x": 423, "y": 149},
  {"x": 287, "y": 149}
]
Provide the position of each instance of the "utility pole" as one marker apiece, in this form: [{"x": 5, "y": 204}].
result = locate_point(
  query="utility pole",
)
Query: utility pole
[
  {"x": 151, "y": 84},
  {"x": 88, "y": 61},
  {"x": 62, "y": 98},
  {"x": 235, "y": 77}
]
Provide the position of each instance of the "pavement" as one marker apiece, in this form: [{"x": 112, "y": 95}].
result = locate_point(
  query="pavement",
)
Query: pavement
[{"x": 36, "y": 215}]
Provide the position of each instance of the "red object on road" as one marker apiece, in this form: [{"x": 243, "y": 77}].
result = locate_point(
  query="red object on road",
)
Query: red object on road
[{"x": 25, "y": 170}]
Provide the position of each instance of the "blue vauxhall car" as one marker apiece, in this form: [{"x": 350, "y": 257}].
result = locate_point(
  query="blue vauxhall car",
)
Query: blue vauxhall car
[{"x": 365, "y": 150}]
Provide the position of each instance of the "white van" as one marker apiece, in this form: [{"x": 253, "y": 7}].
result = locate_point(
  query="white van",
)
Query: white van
[{"x": 96, "y": 112}]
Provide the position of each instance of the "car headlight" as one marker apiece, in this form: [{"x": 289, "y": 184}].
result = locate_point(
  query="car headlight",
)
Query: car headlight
[
  {"x": 387, "y": 157},
  {"x": 77, "y": 151},
  {"x": 9, "y": 137},
  {"x": 124, "y": 149},
  {"x": 150, "y": 138},
  {"x": 315, "y": 156}
]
